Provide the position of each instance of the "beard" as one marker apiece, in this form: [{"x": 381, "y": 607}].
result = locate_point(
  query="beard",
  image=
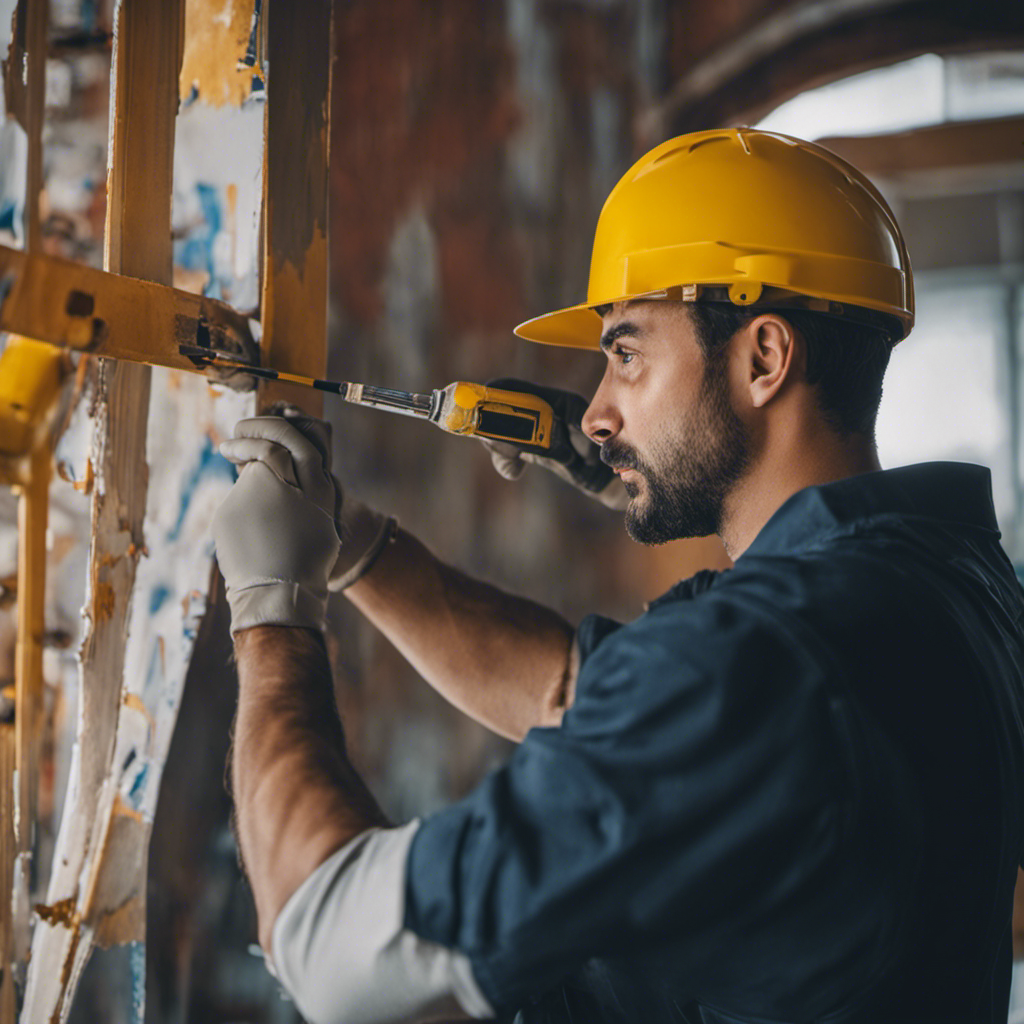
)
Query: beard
[{"x": 686, "y": 478}]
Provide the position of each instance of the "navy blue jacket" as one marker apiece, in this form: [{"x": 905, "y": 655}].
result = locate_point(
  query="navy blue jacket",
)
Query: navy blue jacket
[{"x": 789, "y": 792}]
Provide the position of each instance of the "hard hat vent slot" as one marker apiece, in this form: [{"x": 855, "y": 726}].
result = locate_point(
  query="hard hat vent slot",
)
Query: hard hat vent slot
[
  {"x": 707, "y": 142},
  {"x": 667, "y": 154}
]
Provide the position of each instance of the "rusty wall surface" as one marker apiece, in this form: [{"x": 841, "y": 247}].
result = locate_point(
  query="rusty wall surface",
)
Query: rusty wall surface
[{"x": 472, "y": 148}]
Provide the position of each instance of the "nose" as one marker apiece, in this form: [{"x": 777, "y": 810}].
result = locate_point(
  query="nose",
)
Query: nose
[{"x": 602, "y": 421}]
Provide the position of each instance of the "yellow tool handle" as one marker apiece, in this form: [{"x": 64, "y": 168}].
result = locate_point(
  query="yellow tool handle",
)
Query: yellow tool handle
[{"x": 514, "y": 416}]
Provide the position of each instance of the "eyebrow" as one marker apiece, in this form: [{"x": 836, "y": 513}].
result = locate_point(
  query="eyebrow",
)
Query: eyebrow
[{"x": 624, "y": 329}]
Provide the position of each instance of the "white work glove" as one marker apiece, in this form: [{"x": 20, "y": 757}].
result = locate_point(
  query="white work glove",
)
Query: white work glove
[
  {"x": 572, "y": 456},
  {"x": 278, "y": 543}
]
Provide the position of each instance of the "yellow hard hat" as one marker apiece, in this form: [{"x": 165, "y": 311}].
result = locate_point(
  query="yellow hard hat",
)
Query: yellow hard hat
[{"x": 748, "y": 216}]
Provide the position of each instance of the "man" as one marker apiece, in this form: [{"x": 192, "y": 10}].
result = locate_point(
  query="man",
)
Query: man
[{"x": 789, "y": 792}]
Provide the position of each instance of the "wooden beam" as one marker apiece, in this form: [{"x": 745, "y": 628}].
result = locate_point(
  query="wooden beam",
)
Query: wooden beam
[
  {"x": 295, "y": 188},
  {"x": 75, "y": 306},
  {"x": 33, "y": 508},
  {"x": 801, "y": 46},
  {"x": 998, "y": 141},
  {"x": 25, "y": 92},
  {"x": 8, "y": 856},
  {"x": 148, "y": 44},
  {"x": 19, "y": 776},
  {"x": 37, "y": 20},
  {"x": 97, "y": 891},
  {"x": 30, "y": 379}
]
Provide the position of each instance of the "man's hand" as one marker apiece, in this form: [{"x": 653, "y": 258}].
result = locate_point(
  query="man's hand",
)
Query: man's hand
[
  {"x": 275, "y": 532},
  {"x": 572, "y": 456}
]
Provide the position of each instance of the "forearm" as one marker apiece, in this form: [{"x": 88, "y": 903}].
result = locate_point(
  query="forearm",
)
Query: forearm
[
  {"x": 297, "y": 797},
  {"x": 504, "y": 660}
]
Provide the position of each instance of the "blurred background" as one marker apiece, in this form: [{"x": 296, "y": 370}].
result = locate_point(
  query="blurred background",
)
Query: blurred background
[{"x": 473, "y": 143}]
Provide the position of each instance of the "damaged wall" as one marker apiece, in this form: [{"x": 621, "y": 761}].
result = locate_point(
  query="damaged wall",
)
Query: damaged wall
[{"x": 472, "y": 147}]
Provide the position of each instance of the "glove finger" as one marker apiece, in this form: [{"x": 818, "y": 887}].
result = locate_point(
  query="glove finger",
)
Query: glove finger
[
  {"x": 319, "y": 432},
  {"x": 307, "y": 440},
  {"x": 506, "y": 459},
  {"x": 275, "y": 457},
  {"x": 510, "y": 467}
]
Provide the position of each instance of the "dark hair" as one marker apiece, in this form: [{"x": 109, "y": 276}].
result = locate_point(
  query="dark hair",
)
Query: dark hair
[{"x": 846, "y": 360}]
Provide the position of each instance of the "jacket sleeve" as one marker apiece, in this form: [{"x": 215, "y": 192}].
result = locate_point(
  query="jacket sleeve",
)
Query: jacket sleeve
[{"x": 705, "y": 787}]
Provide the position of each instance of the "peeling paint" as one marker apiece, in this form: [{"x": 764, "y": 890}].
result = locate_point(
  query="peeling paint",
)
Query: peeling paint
[
  {"x": 63, "y": 912},
  {"x": 215, "y": 43},
  {"x": 84, "y": 486},
  {"x": 134, "y": 701},
  {"x": 104, "y": 602}
]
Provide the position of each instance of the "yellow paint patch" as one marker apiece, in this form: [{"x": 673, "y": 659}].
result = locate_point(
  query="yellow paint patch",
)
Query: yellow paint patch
[
  {"x": 122, "y": 810},
  {"x": 216, "y": 36},
  {"x": 292, "y": 299},
  {"x": 83, "y": 486},
  {"x": 134, "y": 701}
]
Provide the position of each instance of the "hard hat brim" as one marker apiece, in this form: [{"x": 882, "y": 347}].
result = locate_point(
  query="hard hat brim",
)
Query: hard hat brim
[
  {"x": 573, "y": 327},
  {"x": 580, "y": 326}
]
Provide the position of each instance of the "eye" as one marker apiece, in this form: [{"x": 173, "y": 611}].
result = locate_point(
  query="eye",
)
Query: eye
[{"x": 624, "y": 357}]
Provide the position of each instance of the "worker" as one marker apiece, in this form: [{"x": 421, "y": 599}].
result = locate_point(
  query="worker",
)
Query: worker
[{"x": 787, "y": 792}]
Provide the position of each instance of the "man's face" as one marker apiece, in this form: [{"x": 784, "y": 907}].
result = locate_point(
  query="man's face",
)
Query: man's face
[{"x": 665, "y": 423}]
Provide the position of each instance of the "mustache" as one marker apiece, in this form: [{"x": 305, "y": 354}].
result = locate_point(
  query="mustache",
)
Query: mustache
[{"x": 619, "y": 455}]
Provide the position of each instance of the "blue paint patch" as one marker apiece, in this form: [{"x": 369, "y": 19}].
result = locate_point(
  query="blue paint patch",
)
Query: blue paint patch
[
  {"x": 158, "y": 597},
  {"x": 195, "y": 251},
  {"x": 210, "y": 464},
  {"x": 138, "y": 969},
  {"x": 154, "y": 678},
  {"x": 135, "y": 794}
]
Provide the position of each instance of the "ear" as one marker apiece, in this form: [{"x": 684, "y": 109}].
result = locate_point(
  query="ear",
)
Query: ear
[{"x": 771, "y": 352}]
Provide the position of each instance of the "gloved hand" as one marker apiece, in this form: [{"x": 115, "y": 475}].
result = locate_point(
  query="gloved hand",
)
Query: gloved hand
[
  {"x": 274, "y": 532},
  {"x": 572, "y": 455},
  {"x": 280, "y": 541}
]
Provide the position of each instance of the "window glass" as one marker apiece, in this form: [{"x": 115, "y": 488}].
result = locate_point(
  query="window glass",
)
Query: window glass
[
  {"x": 926, "y": 90},
  {"x": 947, "y": 391}
]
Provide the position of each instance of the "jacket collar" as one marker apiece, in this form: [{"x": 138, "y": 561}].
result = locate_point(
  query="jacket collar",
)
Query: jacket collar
[{"x": 957, "y": 493}]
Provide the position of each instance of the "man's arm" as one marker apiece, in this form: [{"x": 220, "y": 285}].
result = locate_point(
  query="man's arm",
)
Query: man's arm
[
  {"x": 297, "y": 797},
  {"x": 506, "y": 661}
]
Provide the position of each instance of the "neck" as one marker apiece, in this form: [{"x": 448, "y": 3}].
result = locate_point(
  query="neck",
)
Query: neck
[{"x": 777, "y": 476}]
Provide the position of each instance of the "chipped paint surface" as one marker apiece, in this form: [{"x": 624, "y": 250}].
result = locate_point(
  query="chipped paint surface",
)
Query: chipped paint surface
[
  {"x": 100, "y": 857},
  {"x": 216, "y": 36},
  {"x": 104, "y": 600}
]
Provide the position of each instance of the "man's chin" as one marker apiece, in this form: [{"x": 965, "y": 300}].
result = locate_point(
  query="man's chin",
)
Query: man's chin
[
  {"x": 646, "y": 526},
  {"x": 641, "y": 526}
]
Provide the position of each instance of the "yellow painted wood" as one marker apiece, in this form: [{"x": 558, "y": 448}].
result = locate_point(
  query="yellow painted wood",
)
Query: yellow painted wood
[
  {"x": 19, "y": 776},
  {"x": 137, "y": 244},
  {"x": 99, "y": 875},
  {"x": 295, "y": 190},
  {"x": 75, "y": 306},
  {"x": 8, "y": 855}
]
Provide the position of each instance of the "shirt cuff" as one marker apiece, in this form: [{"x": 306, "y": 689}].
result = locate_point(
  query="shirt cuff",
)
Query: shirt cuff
[{"x": 342, "y": 953}]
